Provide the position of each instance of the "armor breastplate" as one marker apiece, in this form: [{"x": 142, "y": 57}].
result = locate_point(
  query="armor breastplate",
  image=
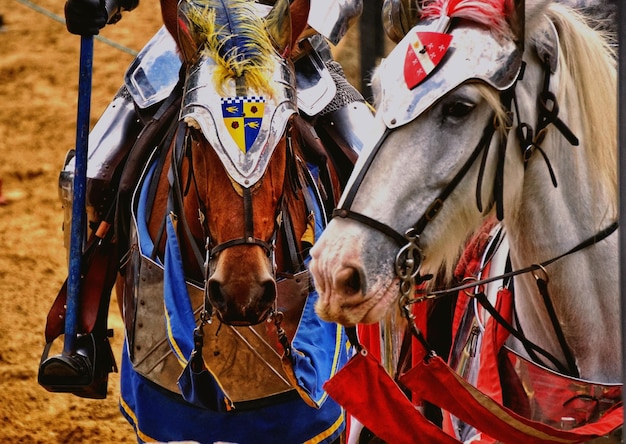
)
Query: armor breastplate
[{"x": 532, "y": 390}]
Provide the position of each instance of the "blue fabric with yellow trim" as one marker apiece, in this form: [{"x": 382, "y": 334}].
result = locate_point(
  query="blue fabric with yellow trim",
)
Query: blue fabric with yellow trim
[
  {"x": 160, "y": 415},
  {"x": 179, "y": 315},
  {"x": 313, "y": 364}
]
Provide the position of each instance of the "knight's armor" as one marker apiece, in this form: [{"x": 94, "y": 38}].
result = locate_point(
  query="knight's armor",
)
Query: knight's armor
[{"x": 325, "y": 97}]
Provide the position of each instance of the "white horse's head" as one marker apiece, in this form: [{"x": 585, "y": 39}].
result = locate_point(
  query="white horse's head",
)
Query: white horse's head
[{"x": 450, "y": 151}]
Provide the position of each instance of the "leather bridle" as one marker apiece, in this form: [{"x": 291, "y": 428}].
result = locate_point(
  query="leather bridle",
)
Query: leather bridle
[
  {"x": 529, "y": 140},
  {"x": 410, "y": 256}
]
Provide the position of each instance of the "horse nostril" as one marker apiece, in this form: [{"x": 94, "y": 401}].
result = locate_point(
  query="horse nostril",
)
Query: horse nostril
[
  {"x": 348, "y": 281},
  {"x": 242, "y": 305},
  {"x": 216, "y": 296},
  {"x": 269, "y": 293}
]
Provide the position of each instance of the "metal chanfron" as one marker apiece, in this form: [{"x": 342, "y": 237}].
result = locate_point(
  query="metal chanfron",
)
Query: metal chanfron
[
  {"x": 474, "y": 55},
  {"x": 203, "y": 107}
]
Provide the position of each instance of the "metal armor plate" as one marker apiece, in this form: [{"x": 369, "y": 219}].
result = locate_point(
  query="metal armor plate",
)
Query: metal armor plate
[
  {"x": 154, "y": 73},
  {"x": 245, "y": 360}
]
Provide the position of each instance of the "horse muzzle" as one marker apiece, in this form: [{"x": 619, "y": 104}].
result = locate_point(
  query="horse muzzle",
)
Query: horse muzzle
[
  {"x": 242, "y": 303},
  {"x": 242, "y": 288}
]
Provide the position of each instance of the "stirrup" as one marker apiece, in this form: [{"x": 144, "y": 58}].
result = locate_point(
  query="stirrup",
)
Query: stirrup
[{"x": 83, "y": 373}]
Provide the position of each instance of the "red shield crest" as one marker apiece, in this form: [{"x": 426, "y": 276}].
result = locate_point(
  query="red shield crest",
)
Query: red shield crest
[{"x": 423, "y": 54}]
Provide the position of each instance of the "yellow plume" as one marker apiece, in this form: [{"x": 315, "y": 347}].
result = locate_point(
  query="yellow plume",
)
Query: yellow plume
[{"x": 235, "y": 37}]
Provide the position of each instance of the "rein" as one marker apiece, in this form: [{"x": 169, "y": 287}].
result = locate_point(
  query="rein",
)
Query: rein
[{"x": 535, "y": 267}]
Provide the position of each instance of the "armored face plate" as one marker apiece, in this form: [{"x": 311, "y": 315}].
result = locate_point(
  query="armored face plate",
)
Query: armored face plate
[
  {"x": 244, "y": 129},
  {"x": 473, "y": 54}
]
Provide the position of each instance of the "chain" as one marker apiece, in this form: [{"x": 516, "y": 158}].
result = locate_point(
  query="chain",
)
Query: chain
[
  {"x": 206, "y": 315},
  {"x": 407, "y": 264}
]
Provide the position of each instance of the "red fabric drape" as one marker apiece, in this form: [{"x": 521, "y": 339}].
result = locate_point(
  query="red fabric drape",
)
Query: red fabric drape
[
  {"x": 438, "y": 383},
  {"x": 368, "y": 393}
]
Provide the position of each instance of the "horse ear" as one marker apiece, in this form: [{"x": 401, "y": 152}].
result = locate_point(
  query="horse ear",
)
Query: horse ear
[
  {"x": 278, "y": 26},
  {"x": 399, "y": 16},
  {"x": 533, "y": 11},
  {"x": 517, "y": 20}
]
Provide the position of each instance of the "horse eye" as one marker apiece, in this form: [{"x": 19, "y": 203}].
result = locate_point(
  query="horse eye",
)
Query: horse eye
[{"x": 457, "y": 109}]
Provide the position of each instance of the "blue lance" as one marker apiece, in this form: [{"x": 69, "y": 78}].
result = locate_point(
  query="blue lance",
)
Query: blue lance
[{"x": 77, "y": 233}]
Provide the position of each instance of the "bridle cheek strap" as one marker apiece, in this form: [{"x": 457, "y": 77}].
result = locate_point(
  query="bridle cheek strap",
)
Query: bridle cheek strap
[
  {"x": 433, "y": 209},
  {"x": 248, "y": 235}
]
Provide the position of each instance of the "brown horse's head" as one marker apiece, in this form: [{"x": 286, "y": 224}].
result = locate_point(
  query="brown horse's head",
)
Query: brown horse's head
[
  {"x": 242, "y": 224},
  {"x": 238, "y": 104}
]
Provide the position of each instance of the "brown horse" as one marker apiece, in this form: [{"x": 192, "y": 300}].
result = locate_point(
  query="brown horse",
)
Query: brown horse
[{"x": 230, "y": 192}]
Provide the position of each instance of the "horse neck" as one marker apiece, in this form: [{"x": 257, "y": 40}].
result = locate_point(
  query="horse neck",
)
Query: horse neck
[{"x": 583, "y": 286}]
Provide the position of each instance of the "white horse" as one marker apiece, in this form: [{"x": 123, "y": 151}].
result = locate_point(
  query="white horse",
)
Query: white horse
[{"x": 451, "y": 155}]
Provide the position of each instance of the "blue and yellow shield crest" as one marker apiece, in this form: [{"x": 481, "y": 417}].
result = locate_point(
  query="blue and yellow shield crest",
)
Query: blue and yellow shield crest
[{"x": 243, "y": 116}]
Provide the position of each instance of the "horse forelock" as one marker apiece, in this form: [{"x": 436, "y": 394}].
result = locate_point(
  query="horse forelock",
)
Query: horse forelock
[{"x": 235, "y": 37}]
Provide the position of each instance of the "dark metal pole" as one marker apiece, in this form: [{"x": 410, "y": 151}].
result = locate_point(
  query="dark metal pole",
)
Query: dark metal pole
[
  {"x": 80, "y": 185},
  {"x": 372, "y": 39}
]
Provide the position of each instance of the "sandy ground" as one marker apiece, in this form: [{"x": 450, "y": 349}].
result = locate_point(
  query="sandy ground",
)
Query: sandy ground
[{"x": 38, "y": 90}]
